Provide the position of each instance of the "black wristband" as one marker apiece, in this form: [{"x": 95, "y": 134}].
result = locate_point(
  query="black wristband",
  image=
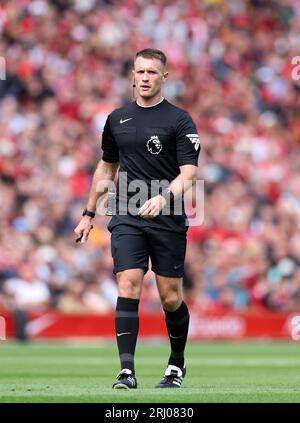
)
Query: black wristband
[{"x": 89, "y": 213}]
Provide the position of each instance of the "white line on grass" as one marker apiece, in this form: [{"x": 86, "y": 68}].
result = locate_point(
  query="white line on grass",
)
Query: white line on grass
[{"x": 222, "y": 362}]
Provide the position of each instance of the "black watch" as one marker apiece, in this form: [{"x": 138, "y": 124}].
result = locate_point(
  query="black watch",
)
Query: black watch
[{"x": 86, "y": 212}]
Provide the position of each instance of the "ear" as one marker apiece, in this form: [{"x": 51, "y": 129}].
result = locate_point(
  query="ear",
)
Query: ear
[{"x": 165, "y": 76}]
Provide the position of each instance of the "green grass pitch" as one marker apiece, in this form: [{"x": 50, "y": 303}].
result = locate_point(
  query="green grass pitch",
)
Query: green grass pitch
[{"x": 84, "y": 372}]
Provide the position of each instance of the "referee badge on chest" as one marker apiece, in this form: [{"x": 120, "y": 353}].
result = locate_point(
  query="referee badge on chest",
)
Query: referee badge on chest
[{"x": 154, "y": 145}]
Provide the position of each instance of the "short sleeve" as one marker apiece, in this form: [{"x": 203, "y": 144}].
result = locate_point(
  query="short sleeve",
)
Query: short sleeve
[
  {"x": 109, "y": 145},
  {"x": 187, "y": 140}
]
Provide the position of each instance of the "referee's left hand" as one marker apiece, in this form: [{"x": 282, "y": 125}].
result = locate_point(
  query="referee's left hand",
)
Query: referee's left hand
[{"x": 152, "y": 207}]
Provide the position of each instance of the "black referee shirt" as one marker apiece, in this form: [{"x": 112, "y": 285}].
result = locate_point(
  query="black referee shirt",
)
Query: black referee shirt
[{"x": 150, "y": 143}]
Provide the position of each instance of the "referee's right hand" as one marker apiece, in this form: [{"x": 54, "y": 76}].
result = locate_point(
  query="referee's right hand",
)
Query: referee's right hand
[{"x": 82, "y": 230}]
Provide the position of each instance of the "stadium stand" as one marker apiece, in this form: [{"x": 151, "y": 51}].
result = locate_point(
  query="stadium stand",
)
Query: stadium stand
[{"x": 68, "y": 64}]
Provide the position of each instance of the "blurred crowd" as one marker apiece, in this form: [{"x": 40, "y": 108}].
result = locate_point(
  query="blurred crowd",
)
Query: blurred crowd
[{"x": 68, "y": 65}]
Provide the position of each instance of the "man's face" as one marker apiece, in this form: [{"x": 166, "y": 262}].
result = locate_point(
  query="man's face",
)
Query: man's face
[
  {"x": 27, "y": 272},
  {"x": 149, "y": 74}
]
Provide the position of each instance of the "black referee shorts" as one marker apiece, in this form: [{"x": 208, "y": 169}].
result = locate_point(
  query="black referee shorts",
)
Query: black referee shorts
[{"x": 133, "y": 244}]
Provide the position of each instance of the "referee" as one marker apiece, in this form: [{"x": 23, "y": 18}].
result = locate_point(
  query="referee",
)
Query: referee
[{"x": 148, "y": 140}]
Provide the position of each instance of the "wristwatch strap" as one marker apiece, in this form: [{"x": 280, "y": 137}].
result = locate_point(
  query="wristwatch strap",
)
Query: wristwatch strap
[{"x": 89, "y": 213}]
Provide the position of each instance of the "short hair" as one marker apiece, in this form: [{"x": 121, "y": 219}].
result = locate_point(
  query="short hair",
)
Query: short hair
[{"x": 151, "y": 53}]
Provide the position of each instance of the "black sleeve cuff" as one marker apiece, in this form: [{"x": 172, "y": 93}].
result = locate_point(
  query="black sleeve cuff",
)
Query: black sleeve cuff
[{"x": 109, "y": 159}]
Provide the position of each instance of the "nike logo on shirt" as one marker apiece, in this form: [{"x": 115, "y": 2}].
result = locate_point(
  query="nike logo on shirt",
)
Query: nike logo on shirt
[
  {"x": 125, "y": 120},
  {"x": 124, "y": 333}
]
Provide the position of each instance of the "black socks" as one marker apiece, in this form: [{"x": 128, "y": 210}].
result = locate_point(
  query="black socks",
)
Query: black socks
[
  {"x": 178, "y": 325},
  {"x": 127, "y": 326}
]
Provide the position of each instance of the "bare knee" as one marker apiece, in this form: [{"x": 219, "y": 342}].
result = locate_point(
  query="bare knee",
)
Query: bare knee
[
  {"x": 171, "y": 300},
  {"x": 170, "y": 292},
  {"x": 128, "y": 289},
  {"x": 129, "y": 284}
]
